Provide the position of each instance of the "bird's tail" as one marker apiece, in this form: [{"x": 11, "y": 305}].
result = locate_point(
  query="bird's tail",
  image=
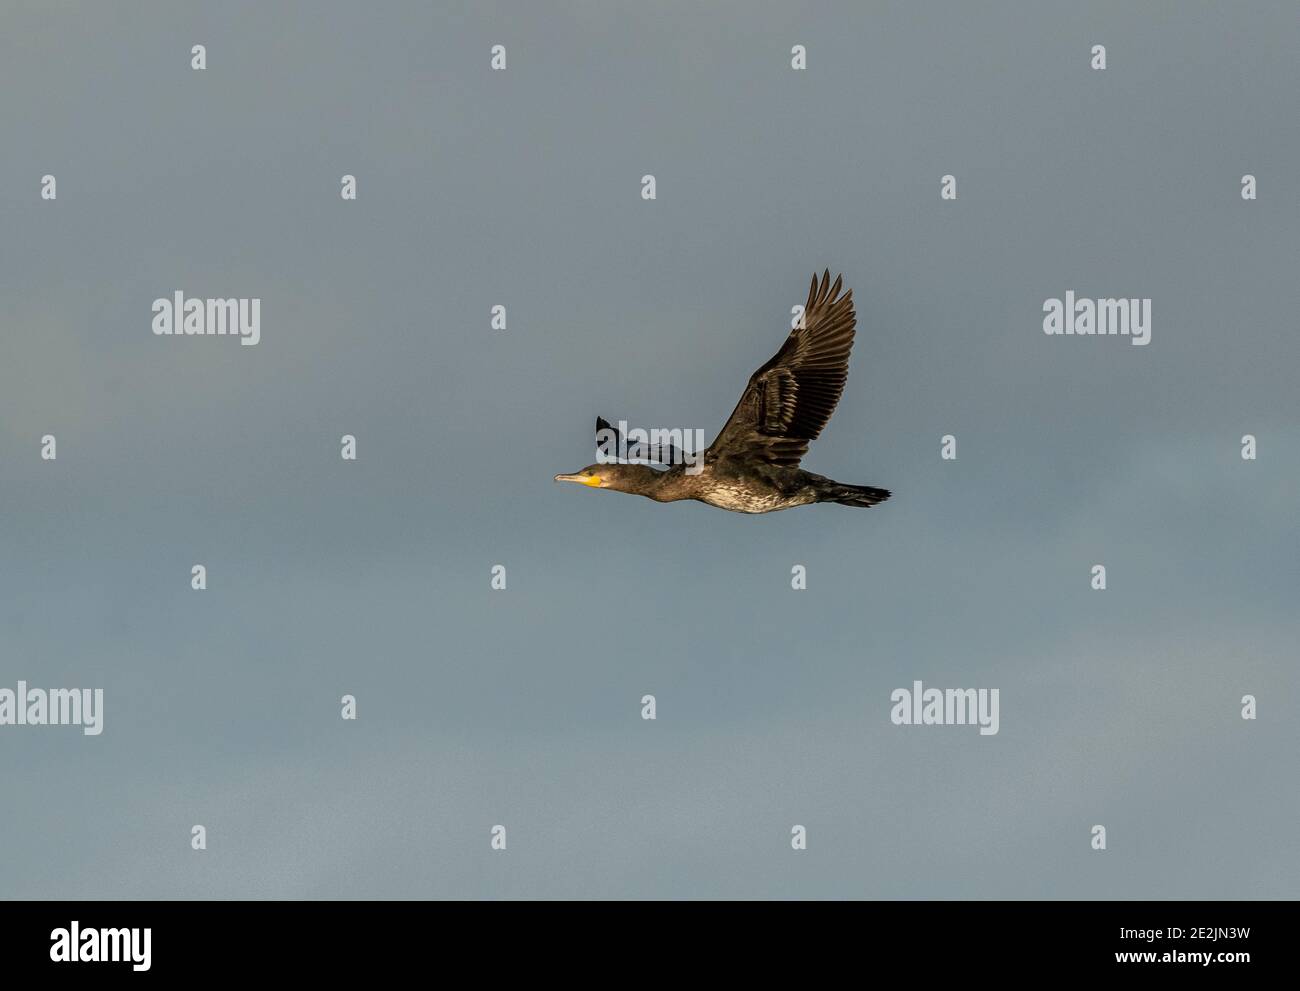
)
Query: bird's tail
[{"x": 851, "y": 495}]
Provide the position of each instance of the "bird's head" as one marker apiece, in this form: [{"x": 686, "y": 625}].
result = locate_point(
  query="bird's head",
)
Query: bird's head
[{"x": 620, "y": 477}]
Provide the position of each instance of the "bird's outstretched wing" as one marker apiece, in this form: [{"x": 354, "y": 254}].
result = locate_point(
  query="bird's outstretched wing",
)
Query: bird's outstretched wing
[
  {"x": 609, "y": 436},
  {"x": 788, "y": 401}
]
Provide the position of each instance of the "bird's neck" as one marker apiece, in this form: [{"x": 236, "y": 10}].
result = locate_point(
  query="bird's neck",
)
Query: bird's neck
[{"x": 647, "y": 482}]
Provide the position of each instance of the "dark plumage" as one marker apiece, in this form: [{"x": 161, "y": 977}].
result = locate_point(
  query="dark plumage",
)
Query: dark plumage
[{"x": 753, "y": 464}]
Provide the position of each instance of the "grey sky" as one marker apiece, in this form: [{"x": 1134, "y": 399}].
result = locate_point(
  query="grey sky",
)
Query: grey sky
[{"x": 522, "y": 707}]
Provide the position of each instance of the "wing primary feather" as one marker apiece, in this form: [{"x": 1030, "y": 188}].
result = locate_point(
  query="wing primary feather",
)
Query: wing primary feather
[{"x": 789, "y": 400}]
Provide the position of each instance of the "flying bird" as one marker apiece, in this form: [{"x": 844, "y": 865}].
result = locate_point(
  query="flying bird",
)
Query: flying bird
[{"x": 753, "y": 464}]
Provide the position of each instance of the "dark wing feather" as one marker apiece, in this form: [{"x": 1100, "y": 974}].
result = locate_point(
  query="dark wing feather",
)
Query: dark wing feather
[
  {"x": 669, "y": 453},
  {"x": 788, "y": 400}
]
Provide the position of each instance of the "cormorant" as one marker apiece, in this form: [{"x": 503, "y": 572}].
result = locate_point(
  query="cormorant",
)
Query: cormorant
[{"x": 753, "y": 464}]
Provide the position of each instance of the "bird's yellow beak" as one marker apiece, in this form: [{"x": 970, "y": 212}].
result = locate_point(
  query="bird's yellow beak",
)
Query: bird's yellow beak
[{"x": 592, "y": 480}]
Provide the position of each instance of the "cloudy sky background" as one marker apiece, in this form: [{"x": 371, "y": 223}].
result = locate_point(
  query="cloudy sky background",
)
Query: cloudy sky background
[{"x": 522, "y": 707}]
